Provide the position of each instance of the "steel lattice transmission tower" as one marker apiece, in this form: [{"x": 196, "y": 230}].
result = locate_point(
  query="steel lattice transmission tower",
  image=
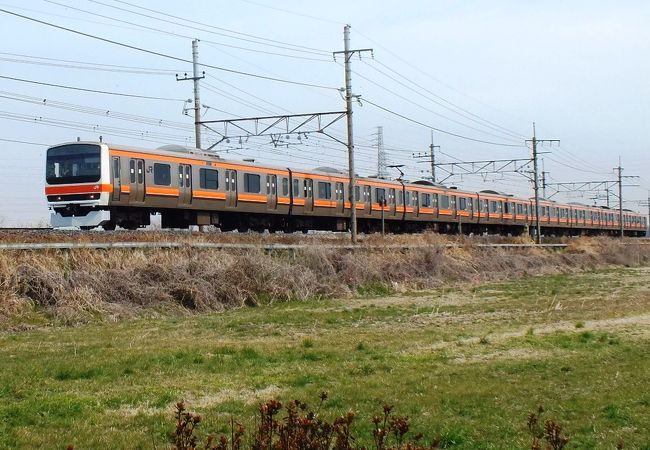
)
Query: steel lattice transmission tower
[{"x": 382, "y": 158}]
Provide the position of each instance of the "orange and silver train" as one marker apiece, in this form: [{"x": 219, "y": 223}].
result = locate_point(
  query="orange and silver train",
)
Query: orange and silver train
[{"x": 95, "y": 184}]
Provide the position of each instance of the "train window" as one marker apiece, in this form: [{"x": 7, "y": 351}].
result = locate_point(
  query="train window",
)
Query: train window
[
  {"x": 493, "y": 206},
  {"x": 434, "y": 200},
  {"x": 296, "y": 188},
  {"x": 324, "y": 190},
  {"x": 416, "y": 198},
  {"x": 132, "y": 170},
  {"x": 252, "y": 183},
  {"x": 452, "y": 202},
  {"x": 391, "y": 196},
  {"x": 400, "y": 197},
  {"x": 285, "y": 187},
  {"x": 180, "y": 175},
  {"x": 407, "y": 201},
  {"x": 484, "y": 205},
  {"x": 426, "y": 200},
  {"x": 380, "y": 195},
  {"x": 268, "y": 184},
  {"x": 141, "y": 172},
  {"x": 366, "y": 194},
  {"x": 209, "y": 179},
  {"x": 357, "y": 193},
  {"x": 444, "y": 202},
  {"x": 462, "y": 204},
  {"x": 162, "y": 174}
]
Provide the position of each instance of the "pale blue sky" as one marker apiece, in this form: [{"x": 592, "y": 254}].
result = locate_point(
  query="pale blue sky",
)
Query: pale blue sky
[{"x": 579, "y": 69}]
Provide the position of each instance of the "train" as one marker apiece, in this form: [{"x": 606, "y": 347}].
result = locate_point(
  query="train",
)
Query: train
[{"x": 97, "y": 184}]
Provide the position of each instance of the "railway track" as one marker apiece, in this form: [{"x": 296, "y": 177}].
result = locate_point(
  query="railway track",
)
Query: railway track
[{"x": 232, "y": 246}]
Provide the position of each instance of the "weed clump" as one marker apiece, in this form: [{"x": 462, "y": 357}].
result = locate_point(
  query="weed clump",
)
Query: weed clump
[{"x": 300, "y": 428}]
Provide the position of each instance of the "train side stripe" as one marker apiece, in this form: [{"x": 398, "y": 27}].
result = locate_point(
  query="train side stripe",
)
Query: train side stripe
[{"x": 78, "y": 189}]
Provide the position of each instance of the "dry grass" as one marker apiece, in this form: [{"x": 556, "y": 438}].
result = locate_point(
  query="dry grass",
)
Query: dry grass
[{"x": 81, "y": 286}]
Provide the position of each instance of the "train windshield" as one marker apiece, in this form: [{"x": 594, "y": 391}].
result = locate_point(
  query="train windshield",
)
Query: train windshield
[{"x": 75, "y": 163}]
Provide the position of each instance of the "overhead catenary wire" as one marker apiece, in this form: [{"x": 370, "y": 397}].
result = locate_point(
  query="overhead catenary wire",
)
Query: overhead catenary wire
[{"x": 164, "y": 55}]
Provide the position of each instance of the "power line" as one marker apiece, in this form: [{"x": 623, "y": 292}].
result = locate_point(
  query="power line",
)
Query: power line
[
  {"x": 40, "y": 144},
  {"x": 427, "y": 109},
  {"x": 102, "y": 69},
  {"x": 319, "y": 52},
  {"x": 95, "y": 91},
  {"x": 163, "y": 55},
  {"x": 279, "y": 108},
  {"x": 103, "y": 112},
  {"x": 473, "y": 117},
  {"x": 417, "y": 122},
  {"x": 100, "y": 66},
  {"x": 326, "y": 52},
  {"x": 413, "y": 66},
  {"x": 321, "y": 19},
  {"x": 170, "y": 33}
]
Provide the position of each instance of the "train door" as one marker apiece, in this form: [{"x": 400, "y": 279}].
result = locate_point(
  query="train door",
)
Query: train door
[
  {"x": 392, "y": 209},
  {"x": 367, "y": 199},
  {"x": 136, "y": 180},
  {"x": 184, "y": 184},
  {"x": 340, "y": 197},
  {"x": 415, "y": 196},
  {"x": 453, "y": 205},
  {"x": 308, "y": 191},
  {"x": 272, "y": 191},
  {"x": 117, "y": 182},
  {"x": 231, "y": 188}
]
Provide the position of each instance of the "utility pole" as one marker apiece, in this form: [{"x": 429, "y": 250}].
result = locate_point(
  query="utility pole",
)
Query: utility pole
[
  {"x": 544, "y": 173},
  {"x": 432, "y": 152},
  {"x": 197, "y": 98},
  {"x": 382, "y": 170},
  {"x": 647, "y": 233},
  {"x": 347, "y": 56},
  {"x": 619, "y": 171},
  {"x": 535, "y": 141}
]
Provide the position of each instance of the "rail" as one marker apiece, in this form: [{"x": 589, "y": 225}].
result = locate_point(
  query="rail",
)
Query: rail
[{"x": 231, "y": 246}]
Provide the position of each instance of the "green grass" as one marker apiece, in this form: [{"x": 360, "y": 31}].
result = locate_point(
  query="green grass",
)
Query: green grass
[{"x": 462, "y": 364}]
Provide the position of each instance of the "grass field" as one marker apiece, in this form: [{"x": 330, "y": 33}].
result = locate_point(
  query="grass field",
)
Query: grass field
[{"x": 467, "y": 364}]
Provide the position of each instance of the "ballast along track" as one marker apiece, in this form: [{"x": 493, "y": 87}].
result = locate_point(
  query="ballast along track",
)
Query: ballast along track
[{"x": 94, "y": 184}]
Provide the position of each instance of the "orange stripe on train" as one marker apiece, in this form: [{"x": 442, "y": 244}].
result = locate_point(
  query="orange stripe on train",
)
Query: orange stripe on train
[{"x": 78, "y": 189}]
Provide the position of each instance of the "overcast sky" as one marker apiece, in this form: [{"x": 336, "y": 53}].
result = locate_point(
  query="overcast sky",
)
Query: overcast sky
[{"x": 481, "y": 70}]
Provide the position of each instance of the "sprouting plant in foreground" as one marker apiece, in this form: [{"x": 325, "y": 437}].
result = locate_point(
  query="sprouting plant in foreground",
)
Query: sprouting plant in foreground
[{"x": 548, "y": 431}]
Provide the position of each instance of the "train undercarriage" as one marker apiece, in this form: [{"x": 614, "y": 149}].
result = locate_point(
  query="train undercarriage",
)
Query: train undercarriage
[{"x": 134, "y": 218}]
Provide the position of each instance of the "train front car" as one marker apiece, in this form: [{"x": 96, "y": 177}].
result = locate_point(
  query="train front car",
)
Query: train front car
[{"x": 77, "y": 184}]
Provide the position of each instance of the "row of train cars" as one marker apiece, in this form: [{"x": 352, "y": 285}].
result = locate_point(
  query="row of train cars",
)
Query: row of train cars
[{"x": 95, "y": 184}]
